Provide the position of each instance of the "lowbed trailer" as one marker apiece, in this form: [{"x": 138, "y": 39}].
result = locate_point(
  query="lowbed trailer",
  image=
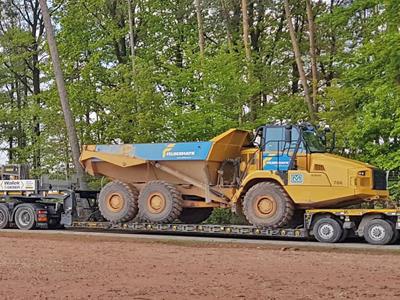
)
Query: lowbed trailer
[
  {"x": 79, "y": 210},
  {"x": 376, "y": 226}
]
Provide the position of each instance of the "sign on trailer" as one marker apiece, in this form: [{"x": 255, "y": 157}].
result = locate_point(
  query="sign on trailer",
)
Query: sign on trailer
[{"x": 17, "y": 185}]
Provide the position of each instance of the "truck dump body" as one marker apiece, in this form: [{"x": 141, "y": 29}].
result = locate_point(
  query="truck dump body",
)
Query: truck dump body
[
  {"x": 160, "y": 151},
  {"x": 194, "y": 161}
]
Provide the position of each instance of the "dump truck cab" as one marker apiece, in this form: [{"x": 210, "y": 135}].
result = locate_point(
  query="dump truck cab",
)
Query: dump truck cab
[{"x": 295, "y": 157}]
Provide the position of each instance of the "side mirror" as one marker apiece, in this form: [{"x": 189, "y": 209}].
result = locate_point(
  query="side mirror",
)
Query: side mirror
[
  {"x": 288, "y": 134},
  {"x": 324, "y": 139}
]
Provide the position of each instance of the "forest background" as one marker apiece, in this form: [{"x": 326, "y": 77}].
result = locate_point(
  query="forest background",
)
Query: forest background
[{"x": 182, "y": 70}]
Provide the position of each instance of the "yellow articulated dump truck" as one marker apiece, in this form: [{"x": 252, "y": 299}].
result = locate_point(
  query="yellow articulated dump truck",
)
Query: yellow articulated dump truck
[{"x": 280, "y": 177}]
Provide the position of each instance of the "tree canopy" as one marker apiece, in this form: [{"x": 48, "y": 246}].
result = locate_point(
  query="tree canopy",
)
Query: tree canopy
[{"x": 186, "y": 70}]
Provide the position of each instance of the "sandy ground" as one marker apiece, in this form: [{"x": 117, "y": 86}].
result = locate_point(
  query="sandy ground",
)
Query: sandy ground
[{"x": 85, "y": 267}]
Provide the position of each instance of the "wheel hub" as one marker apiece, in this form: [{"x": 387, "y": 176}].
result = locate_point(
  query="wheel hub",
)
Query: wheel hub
[
  {"x": 326, "y": 231},
  {"x": 377, "y": 232},
  {"x": 115, "y": 202},
  {"x": 265, "y": 206},
  {"x": 156, "y": 203},
  {"x": 25, "y": 218}
]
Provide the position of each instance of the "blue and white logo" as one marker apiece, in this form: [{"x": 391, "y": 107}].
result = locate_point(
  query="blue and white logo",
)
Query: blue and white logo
[{"x": 296, "y": 178}]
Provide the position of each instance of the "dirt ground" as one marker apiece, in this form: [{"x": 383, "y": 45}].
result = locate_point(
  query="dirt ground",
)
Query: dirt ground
[{"x": 86, "y": 267}]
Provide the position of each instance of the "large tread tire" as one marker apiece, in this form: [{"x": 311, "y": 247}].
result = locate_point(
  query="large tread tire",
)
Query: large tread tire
[
  {"x": 171, "y": 207},
  {"x": 282, "y": 206},
  {"x": 379, "y": 232},
  {"x": 195, "y": 215},
  {"x": 328, "y": 230},
  {"x": 24, "y": 218},
  {"x": 127, "y": 207},
  {"x": 4, "y": 217}
]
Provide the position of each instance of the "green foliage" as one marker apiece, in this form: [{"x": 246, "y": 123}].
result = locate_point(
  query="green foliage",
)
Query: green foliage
[
  {"x": 224, "y": 216},
  {"x": 175, "y": 95}
]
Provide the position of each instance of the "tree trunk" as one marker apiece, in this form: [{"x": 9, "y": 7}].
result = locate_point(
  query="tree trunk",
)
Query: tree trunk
[
  {"x": 131, "y": 17},
  {"x": 299, "y": 62},
  {"x": 313, "y": 54},
  {"x": 246, "y": 30},
  {"x": 200, "y": 26},
  {"x": 225, "y": 15},
  {"x": 59, "y": 76}
]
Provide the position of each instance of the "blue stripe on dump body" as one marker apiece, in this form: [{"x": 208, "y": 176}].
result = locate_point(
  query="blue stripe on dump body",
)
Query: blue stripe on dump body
[{"x": 161, "y": 151}]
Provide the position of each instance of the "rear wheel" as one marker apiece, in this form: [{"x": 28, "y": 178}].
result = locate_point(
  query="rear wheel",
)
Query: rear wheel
[
  {"x": 4, "y": 217},
  {"x": 25, "y": 218},
  {"x": 195, "y": 215},
  {"x": 396, "y": 233},
  {"x": 378, "y": 232},
  {"x": 159, "y": 202},
  {"x": 118, "y": 202},
  {"x": 266, "y": 204},
  {"x": 328, "y": 230}
]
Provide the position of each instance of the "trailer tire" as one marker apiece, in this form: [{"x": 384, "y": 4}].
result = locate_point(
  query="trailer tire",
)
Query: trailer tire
[
  {"x": 4, "y": 217},
  {"x": 195, "y": 215},
  {"x": 118, "y": 201},
  {"x": 379, "y": 232},
  {"x": 24, "y": 218},
  {"x": 328, "y": 230},
  {"x": 266, "y": 204},
  {"x": 159, "y": 202}
]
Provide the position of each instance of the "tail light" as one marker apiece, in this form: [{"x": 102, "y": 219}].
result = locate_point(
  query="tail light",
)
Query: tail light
[{"x": 42, "y": 216}]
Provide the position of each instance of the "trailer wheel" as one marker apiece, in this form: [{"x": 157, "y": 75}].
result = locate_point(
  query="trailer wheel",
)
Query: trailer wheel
[
  {"x": 159, "y": 202},
  {"x": 4, "y": 217},
  {"x": 266, "y": 204},
  {"x": 378, "y": 232},
  {"x": 328, "y": 230},
  {"x": 25, "y": 218},
  {"x": 195, "y": 215},
  {"x": 118, "y": 201}
]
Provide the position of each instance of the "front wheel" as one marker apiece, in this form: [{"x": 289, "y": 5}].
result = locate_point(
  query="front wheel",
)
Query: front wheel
[
  {"x": 25, "y": 218},
  {"x": 266, "y": 204},
  {"x": 328, "y": 230}
]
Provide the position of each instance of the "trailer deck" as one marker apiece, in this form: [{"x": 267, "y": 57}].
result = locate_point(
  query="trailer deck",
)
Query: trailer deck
[{"x": 209, "y": 229}]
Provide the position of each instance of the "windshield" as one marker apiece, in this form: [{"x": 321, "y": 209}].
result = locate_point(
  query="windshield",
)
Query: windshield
[{"x": 313, "y": 142}]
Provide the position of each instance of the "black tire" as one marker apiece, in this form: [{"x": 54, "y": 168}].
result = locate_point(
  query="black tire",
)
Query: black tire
[
  {"x": 118, "y": 202},
  {"x": 159, "y": 202},
  {"x": 266, "y": 204},
  {"x": 345, "y": 235},
  {"x": 396, "y": 233},
  {"x": 4, "y": 217},
  {"x": 328, "y": 230},
  {"x": 24, "y": 218},
  {"x": 378, "y": 232},
  {"x": 195, "y": 215}
]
